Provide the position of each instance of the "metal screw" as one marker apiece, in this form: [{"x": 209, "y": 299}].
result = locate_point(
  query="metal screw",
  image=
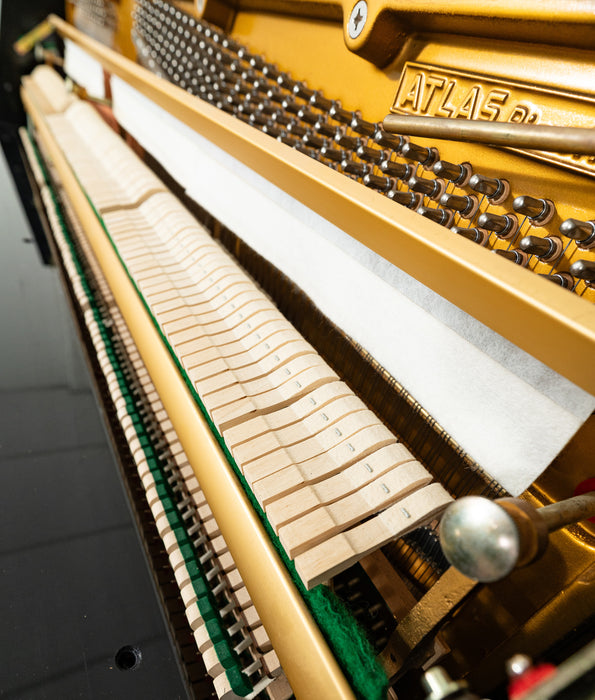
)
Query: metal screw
[
  {"x": 439, "y": 685},
  {"x": 357, "y": 18},
  {"x": 517, "y": 665}
]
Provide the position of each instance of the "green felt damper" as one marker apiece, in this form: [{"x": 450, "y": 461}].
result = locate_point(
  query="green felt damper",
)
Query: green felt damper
[
  {"x": 345, "y": 637},
  {"x": 207, "y": 605}
]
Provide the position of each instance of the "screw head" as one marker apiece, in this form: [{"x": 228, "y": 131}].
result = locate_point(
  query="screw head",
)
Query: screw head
[{"x": 357, "y": 19}]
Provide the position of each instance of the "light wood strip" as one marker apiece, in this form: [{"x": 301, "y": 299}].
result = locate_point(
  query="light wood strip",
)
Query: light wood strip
[{"x": 341, "y": 551}]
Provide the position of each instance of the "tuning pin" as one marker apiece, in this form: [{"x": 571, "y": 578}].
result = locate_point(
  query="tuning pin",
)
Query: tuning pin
[
  {"x": 466, "y": 205},
  {"x": 326, "y": 129},
  {"x": 361, "y": 126},
  {"x": 583, "y": 232},
  {"x": 459, "y": 174},
  {"x": 475, "y": 234},
  {"x": 540, "y": 211},
  {"x": 383, "y": 184},
  {"x": 372, "y": 155},
  {"x": 504, "y": 226},
  {"x": 407, "y": 199},
  {"x": 394, "y": 169},
  {"x": 431, "y": 188},
  {"x": 341, "y": 115},
  {"x": 584, "y": 270},
  {"x": 353, "y": 168},
  {"x": 562, "y": 279},
  {"x": 313, "y": 140},
  {"x": 518, "y": 257},
  {"x": 334, "y": 154},
  {"x": 392, "y": 141},
  {"x": 495, "y": 190},
  {"x": 440, "y": 216},
  {"x": 425, "y": 156},
  {"x": 351, "y": 142},
  {"x": 546, "y": 249},
  {"x": 485, "y": 540}
]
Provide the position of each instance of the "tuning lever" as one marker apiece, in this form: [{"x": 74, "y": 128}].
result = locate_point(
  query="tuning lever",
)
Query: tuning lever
[{"x": 486, "y": 540}]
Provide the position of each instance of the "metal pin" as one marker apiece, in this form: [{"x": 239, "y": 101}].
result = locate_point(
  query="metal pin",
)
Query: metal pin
[
  {"x": 340, "y": 115},
  {"x": 324, "y": 416},
  {"x": 563, "y": 279},
  {"x": 458, "y": 173},
  {"x": 353, "y": 168},
  {"x": 372, "y": 155},
  {"x": 338, "y": 432},
  {"x": 380, "y": 183},
  {"x": 334, "y": 154},
  {"x": 540, "y": 211},
  {"x": 431, "y": 188},
  {"x": 407, "y": 199},
  {"x": 361, "y": 126},
  {"x": 398, "y": 170},
  {"x": 474, "y": 234},
  {"x": 504, "y": 226},
  {"x": 405, "y": 512},
  {"x": 308, "y": 116},
  {"x": 426, "y": 156},
  {"x": 584, "y": 270},
  {"x": 466, "y": 205},
  {"x": 351, "y": 142},
  {"x": 494, "y": 188},
  {"x": 440, "y": 216},
  {"x": 350, "y": 447},
  {"x": 325, "y": 129},
  {"x": 518, "y": 257},
  {"x": 546, "y": 249},
  {"x": 583, "y": 232},
  {"x": 385, "y": 489},
  {"x": 368, "y": 467},
  {"x": 319, "y": 101},
  {"x": 392, "y": 141}
]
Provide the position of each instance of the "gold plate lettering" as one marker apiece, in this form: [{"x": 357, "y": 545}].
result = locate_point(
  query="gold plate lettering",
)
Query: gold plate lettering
[{"x": 428, "y": 90}]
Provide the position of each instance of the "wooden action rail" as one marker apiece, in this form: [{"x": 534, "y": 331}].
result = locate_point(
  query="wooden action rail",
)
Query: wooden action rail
[
  {"x": 542, "y": 319},
  {"x": 305, "y": 657}
]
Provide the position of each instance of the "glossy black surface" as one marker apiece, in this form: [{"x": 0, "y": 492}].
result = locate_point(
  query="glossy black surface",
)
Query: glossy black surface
[{"x": 74, "y": 583}]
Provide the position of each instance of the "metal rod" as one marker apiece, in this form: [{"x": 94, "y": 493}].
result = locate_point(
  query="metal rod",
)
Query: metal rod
[
  {"x": 538, "y": 137},
  {"x": 571, "y": 510}
]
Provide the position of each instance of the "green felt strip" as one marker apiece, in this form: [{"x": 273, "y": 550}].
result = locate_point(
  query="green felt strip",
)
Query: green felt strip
[
  {"x": 343, "y": 634},
  {"x": 205, "y": 601}
]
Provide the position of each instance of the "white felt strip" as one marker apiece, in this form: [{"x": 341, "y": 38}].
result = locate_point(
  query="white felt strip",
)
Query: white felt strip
[{"x": 510, "y": 412}]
